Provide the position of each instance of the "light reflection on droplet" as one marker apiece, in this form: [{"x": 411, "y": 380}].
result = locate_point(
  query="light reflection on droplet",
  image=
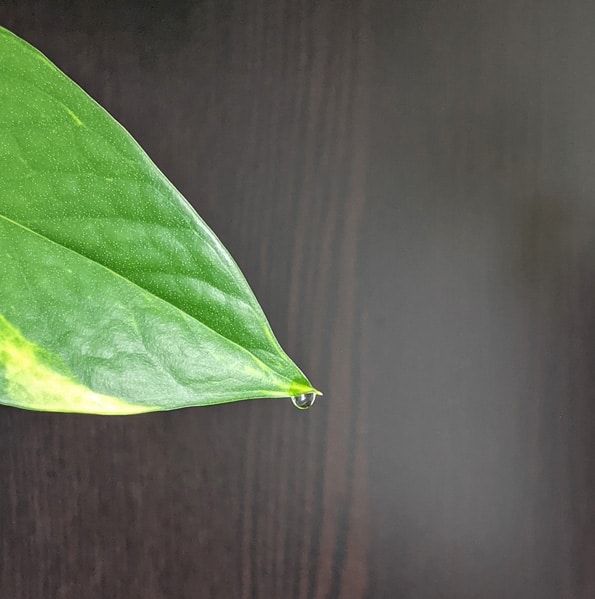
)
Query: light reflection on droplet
[{"x": 304, "y": 401}]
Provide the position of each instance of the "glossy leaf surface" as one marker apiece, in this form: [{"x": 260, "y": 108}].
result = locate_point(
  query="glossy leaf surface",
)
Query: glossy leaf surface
[{"x": 115, "y": 297}]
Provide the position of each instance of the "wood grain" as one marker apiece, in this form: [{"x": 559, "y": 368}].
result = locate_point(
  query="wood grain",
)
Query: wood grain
[
  {"x": 409, "y": 188},
  {"x": 257, "y": 111}
]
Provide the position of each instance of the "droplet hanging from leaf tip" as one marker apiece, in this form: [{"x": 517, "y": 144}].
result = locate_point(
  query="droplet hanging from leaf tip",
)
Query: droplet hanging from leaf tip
[{"x": 304, "y": 401}]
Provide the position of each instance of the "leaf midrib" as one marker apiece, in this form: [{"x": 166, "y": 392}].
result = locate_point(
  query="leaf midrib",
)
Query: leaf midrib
[{"x": 148, "y": 292}]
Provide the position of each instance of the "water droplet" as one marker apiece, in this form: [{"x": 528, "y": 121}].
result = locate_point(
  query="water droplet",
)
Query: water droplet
[{"x": 304, "y": 401}]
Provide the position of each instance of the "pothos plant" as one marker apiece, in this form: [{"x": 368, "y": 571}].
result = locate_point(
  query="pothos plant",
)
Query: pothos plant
[{"x": 115, "y": 297}]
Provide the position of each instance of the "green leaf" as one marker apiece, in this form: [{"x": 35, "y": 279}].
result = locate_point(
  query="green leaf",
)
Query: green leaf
[{"x": 115, "y": 297}]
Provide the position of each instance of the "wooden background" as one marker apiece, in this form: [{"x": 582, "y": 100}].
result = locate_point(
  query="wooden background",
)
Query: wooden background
[{"x": 409, "y": 187}]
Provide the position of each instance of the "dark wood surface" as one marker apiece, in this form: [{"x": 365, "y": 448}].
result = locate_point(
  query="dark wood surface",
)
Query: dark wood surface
[{"x": 409, "y": 187}]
